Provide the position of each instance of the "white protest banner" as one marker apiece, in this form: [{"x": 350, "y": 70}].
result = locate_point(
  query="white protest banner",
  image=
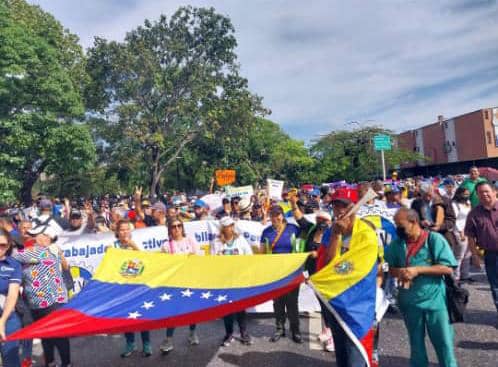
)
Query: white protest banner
[
  {"x": 241, "y": 191},
  {"x": 84, "y": 252},
  {"x": 275, "y": 188},
  {"x": 381, "y": 210}
]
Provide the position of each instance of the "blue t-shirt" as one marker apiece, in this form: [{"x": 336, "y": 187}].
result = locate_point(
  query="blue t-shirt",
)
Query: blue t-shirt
[
  {"x": 10, "y": 272},
  {"x": 286, "y": 240}
]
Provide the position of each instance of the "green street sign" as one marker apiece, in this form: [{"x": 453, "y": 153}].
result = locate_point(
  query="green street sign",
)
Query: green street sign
[{"x": 382, "y": 142}]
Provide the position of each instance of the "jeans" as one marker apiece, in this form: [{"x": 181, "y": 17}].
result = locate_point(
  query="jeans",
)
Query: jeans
[
  {"x": 241, "y": 317},
  {"x": 286, "y": 305},
  {"x": 171, "y": 331},
  {"x": 49, "y": 345},
  {"x": 346, "y": 352},
  {"x": 462, "y": 256},
  {"x": 26, "y": 348},
  {"x": 130, "y": 338},
  {"x": 491, "y": 265},
  {"x": 10, "y": 350}
]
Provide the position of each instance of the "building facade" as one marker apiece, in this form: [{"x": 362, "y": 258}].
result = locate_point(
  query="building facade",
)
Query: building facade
[{"x": 465, "y": 138}]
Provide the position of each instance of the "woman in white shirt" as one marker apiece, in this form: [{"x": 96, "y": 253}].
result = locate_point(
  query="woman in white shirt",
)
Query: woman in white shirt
[
  {"x": 461, "y": 206},
  {"x": 231, "y": 243}
]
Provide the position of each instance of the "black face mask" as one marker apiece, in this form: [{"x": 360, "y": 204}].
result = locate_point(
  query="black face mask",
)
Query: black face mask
[
  {"x": 465, "y": 197},
  {"x": 321, "y": 225},
  {"x": 401, "y": 232}
]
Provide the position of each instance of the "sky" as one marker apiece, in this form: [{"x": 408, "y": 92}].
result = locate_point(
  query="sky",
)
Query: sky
[{"x": 319, "y": 65}]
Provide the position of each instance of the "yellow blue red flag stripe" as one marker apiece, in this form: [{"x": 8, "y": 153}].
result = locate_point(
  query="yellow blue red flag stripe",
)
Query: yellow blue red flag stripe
[
  {"x": 347, "y": 286},
  {"x": 134, "y": 291}
]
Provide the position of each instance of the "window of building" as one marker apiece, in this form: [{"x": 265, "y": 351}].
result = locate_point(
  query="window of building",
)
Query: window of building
[{"x": 488, "y": 137}]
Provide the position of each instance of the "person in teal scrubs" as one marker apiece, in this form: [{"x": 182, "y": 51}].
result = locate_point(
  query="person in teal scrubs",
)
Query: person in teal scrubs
[{"x": 419, "y": 259}]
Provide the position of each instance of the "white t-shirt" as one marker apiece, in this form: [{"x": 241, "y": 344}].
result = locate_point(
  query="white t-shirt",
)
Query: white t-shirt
[
  {"x": 239, "y": 246},
  {"x": 461, "y": 212}
]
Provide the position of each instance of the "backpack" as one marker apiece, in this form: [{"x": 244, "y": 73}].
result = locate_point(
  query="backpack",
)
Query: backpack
[{"x": 457, "y": 297}]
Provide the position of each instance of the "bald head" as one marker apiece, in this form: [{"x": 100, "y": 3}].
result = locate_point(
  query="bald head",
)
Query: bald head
[{"x": 407, "y": 224}]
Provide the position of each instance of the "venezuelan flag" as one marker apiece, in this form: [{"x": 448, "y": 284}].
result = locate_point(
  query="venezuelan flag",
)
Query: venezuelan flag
[
  {"x": 347, "y": 286},
  {"x": 133, "y": 291}
]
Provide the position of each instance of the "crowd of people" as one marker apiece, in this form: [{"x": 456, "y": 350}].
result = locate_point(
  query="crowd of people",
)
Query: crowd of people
[{"x": 443, "y": 225}]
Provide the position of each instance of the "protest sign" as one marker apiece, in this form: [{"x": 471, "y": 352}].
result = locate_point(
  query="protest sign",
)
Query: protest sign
[
  {"x": 214, "y": 201},
  {"x": 275, "y": 188},
  {"x": 225, "y": 177},
  {"x": 241, "y": 191}
]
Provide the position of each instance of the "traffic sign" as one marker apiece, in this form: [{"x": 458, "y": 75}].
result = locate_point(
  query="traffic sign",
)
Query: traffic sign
[{"x": 382, "y": 142}]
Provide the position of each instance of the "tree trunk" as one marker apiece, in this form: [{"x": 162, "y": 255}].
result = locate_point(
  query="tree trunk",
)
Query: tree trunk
[
  {"x": 27, "y": 187},
  {"x": 155, "y": 173}
]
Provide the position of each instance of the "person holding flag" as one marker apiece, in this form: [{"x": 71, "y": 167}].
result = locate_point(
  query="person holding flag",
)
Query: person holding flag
[{"x": 346, "y": 284}]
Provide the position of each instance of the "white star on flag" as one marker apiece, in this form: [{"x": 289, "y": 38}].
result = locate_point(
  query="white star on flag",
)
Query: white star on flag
[
  {"x": 148, "y": 305},
  {"x": 206, "y": 295},
  {"x": 165, "y": 297},
  {"x": 221, "y": 298},
  {"x": 187, "y": 293},
  {"x": 134, "y": 315}
]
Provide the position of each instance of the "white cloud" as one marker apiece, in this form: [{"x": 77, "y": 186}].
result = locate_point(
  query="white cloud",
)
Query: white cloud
[{"x": 320, "y": 64}]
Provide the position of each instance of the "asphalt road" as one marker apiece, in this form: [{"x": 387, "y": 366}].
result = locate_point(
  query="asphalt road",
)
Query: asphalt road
[{"x": 476, "y": 343}]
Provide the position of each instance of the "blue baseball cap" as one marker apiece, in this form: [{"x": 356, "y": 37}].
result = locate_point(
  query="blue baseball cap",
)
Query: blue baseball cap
[{"x": 200, "y": 203}]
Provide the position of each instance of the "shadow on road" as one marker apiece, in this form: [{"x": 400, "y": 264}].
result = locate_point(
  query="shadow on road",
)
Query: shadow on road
[
  {"x": 480, "y": 317},
  {"x": 467, "y": 344},
  {"x": 273, "y": 359},
  {"x": 393, "y": 361}
]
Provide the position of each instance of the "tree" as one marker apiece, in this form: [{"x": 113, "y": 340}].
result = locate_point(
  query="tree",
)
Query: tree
[
  {"x": 41, "y": 78},
  {"x": 168, "y": 83},
  {"x": 350, "y": 155}
]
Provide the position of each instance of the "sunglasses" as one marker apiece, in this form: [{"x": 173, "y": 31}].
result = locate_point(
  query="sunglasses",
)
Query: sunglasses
[
  {"x": 176, "y": 225},
  {"x": 4, "y": 245}
]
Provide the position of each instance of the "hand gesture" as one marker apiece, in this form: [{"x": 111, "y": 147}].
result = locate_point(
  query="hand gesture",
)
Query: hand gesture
[
  {"x": 137, "y": 195},
  {"x": 2, "y": 330},
  {"x": 408, "y": 274},
  {"x": 293, "y": 198}
]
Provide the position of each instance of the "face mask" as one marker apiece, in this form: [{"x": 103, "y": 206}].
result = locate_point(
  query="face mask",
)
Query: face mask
[
  {"x": 321, "y": 225},
  {"x": 465, "y": 197},
  {"x": 401, "y": 232}
]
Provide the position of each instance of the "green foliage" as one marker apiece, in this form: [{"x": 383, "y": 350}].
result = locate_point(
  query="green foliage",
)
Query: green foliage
[
  {"x": 169, "y": 82},
  {"x": 261, "y": 150},
  {"x": 350, "y": 155},
  {"x": 41, "y": 76}
]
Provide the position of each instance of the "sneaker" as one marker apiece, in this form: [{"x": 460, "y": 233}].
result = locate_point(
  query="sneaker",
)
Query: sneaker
[
  {"x": 147, "y": 352},
  {"x": 129, "y": 349},
  {"x": 329, "y": 345},
  {"x": 276, "y": 337},
  {"x": 27, "y": 362},
  {"x": 166, "y": 346},
  {"x": 227, "y": 340},
  {"x": 245, "y": 339},
  {"x": 324, "y": 335},
  {"x": 297, "y": 338},
  {"x": 193, "y": 339}
]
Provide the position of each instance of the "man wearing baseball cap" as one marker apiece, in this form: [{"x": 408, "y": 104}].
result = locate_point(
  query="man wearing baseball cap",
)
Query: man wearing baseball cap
[{"x": 347, "y": 230}]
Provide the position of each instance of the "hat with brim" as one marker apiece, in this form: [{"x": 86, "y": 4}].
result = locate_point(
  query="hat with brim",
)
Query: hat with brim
[
  {"x": 44, "y": 229},
  {"x": 226, "y": 221},
  {"x": 245, "y": 205}
]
